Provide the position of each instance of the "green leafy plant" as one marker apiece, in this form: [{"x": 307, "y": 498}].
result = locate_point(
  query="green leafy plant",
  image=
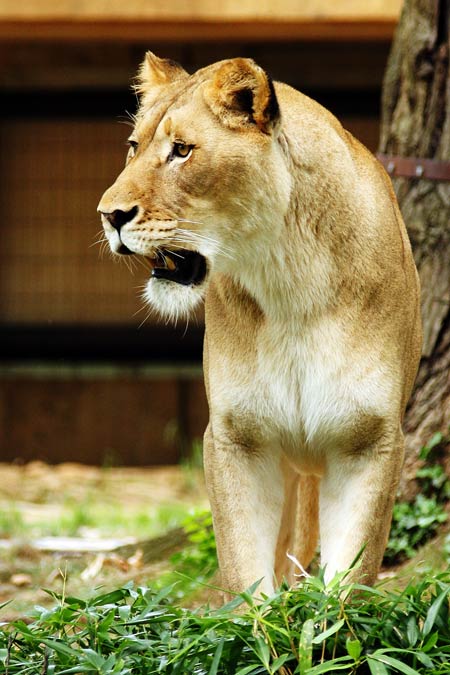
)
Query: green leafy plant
[
  {"x": 432, "y": 475},
  {"x": 196, "y": 562},
  {"x": 309, "y": 630},
  {"x": 414, "y": 523}
]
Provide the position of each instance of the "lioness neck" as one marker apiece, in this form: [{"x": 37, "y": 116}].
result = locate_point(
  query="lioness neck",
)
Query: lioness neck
[
  {"x": 309, "y": 253},
  {"x": 280, "y": 280}
]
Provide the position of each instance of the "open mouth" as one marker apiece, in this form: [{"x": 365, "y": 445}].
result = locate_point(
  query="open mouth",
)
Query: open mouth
[{"x": 182, "y": 267}]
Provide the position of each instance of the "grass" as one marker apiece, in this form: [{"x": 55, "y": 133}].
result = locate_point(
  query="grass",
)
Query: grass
[
  {"x": 308, "y": 630},
  {"x": 73, "y": 517},
  {"x": 114, "y": 520},
  {"x": 312, "y": 629}
]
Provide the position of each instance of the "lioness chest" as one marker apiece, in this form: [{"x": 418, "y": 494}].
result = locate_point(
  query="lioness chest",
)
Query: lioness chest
[{"x": 306, "y": 392}]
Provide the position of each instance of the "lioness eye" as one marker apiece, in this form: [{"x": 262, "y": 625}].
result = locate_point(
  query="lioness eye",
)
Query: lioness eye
[{"x": 181, "y": 150}]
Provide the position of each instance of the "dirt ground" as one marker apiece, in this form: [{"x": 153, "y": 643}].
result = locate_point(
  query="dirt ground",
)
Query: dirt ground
[
  {"x": 86, "y": 505},
  {"x": 37, "y": 482}
]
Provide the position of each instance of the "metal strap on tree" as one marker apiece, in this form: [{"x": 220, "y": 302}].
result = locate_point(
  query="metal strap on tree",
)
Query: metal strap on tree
[{"x": 415, "y": 167}]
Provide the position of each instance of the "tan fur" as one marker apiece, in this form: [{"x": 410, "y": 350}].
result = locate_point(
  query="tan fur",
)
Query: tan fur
[{"x": 312, "y": 310}]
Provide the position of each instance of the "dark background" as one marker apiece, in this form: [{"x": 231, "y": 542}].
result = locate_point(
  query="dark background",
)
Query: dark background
[{"x": 85, "y": 374}]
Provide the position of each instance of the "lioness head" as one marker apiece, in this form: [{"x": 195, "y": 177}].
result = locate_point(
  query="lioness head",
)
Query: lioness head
[{"x": 204, "y": 184}]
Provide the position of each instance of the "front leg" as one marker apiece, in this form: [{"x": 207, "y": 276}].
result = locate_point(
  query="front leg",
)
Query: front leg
[
  {"x": 357, "y": 494},
  {"x": 245, "y": 487}
]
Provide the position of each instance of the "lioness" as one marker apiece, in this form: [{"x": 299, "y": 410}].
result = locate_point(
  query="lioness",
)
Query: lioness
[{"x": 252, "y": 196}]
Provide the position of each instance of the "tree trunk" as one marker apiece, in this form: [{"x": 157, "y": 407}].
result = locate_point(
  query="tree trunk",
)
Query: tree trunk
[{"x": 416, "y": 123}]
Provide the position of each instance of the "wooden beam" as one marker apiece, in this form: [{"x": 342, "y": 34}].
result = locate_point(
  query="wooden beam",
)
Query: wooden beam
[
  {"x": 175, "y": 20},
  {"x": 153, "y": 9},
  {"x": 188, "y": 31}
]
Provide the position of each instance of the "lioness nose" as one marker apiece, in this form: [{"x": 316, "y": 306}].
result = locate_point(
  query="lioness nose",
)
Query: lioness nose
[{"x": 118, "y": 218}]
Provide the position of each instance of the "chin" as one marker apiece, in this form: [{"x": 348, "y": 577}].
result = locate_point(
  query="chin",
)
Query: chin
[{"x": 173, "y": 301}]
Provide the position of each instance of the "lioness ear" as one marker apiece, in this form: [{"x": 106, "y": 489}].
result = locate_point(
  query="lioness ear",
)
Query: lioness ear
[
  {"x": 156, "y": 72},
  {"x": 241, "y": 93}
]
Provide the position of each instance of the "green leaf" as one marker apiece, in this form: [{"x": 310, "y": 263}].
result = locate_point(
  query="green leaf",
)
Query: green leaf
[
  {"x": 247, "y": 670},
  {"x": 94, "y": 659},
  {"x": 394, "y": 663},
  {"x": 109, "y": 598},
  {"x": 305, "y": 646},
  {"x": 251, "y": 589},
  {"x": 430, "y": 643},
  {"x": 434, "y": 611},
  {"x": 341, "y": 663},
  {"x": 279, "y": 661},
  {"x": 216, "y": 660},
  {"x": 425, "y": 659},
  {"x": 262, "y": 649},
  {"x": 412, "y": 631},
  {"x": 436, "y": 439},
  {"x": 354, "y": 648},
  {"x": 80, "y": 668},
  {"x": 376, "y": 667},
  {"x": 75, "y": 602},
  {"x": 59, "y": 647},
  {"x": 327, "y": 633},
  {"x": 233, "y": 604}
]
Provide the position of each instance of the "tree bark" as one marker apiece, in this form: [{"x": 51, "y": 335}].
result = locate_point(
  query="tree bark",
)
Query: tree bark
[{"x": 416, "y": 123}]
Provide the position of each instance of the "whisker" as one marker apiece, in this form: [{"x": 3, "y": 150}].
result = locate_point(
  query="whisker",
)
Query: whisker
[
  {"x": 99, "y": 241},
  {"x": 199, "y": 236},
  {"x": 127, "y": 123},
  {"x": 131, "y": 116},
  {"x": 98, "y": 237},
  {"x": 129, "y": 119},
  {"x": 103, "y": 249},
  {"x": 128, "y": 264},
  {"x": 146, "y": 317},
  {"x": 194, "y": 238},
  {"x": 140, "y": 260},
  {"x": 141, "y": 287},
  {"x": 138, "y": 311},
  {"x": 177, "y": 255},
  {"x": 187, "y": 326},
  {"x": 194, "y": 222}
]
